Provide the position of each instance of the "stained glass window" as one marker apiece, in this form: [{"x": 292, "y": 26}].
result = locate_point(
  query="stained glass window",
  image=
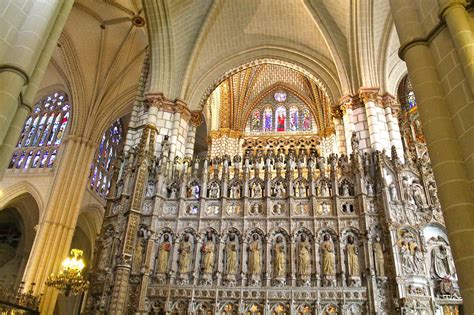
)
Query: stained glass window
[
  {"x": 42, "y": 133},
  {"x": 268, "y": 119},
  {"x": 280, "y": 118},
  {"x": 109, "y": 149}
]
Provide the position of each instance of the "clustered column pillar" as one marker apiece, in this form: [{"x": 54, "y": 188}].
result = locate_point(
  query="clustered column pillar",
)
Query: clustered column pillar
[
  {"x": 57, "y": 225},
  {"x": 23, "y": 64},
  {"x": 392, "y": 109},
  {"x": 347, "y": 103},
  {"x": 376, "y": 121},
  {"x": 449, "y": 167}
]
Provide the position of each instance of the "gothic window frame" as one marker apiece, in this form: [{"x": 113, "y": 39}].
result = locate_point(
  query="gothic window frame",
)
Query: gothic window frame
[
  {"x": 43, "y": 132},
  {"x": 109, "y": 149}
]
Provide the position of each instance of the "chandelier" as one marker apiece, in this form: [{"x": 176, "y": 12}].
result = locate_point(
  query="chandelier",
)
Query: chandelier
[{"x": 70, "y": 279}]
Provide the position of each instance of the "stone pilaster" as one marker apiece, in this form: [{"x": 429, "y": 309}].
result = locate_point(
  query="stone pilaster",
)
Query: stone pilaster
[
  {"x": 392, "y": 108},
  {"x": 56, "y": 228},
  {"x": 346, "y": 105}
]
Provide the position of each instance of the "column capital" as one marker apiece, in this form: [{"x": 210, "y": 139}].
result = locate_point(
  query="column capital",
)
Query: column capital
[
  {"x": 369, "y": 94},
  {"x": 388, "y": 100},
  {"x": 445, "y": 5},
  {"x": 348, "y": 102},
  {"x": 196, "y": 118}
]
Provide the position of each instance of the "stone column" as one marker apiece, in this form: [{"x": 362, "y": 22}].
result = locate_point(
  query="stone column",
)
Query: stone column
[
  {"x": 18, "y": 62},
  {"x": 454, "y": 13},
  {"x": 339, "y": 129},
  {"x": 376, "y": 121},
  {"x": 392, "y": 109},
  {"x": 346, "y": 108},
  {"x": 56, "y": 228},
  {"x": 449, "y": 167}
]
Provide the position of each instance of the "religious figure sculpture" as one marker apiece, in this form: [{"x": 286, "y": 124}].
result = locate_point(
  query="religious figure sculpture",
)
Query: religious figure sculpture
[
  {"x": 185, "y": 255},
  {"x": 214, "y": 192},
  {"x": 408, "y": 264},
  {"x": 418, "y": 195},
  {"x": 323, "y": 189},
  {"x": 418, "y": 260},
  {"x": 370, "y": 189},
  {"x": 256, "y": 190},
  {"x": 235, "y": 191},
  {"x": 352, "y": 257},
  {"x": 301, "y": 190},
  {"x": 304, "y": 258},
  {"x": 379, "y": 257},
  {"x": 354, "y": 142},
  {"x": 328, "y": 256},
  {"x": 439, "y": 262},
  {"x": 280, "y": 258},
  {"x": 163, "y": 255},
  {"x": 345, "y": 189},
  {"x": 173, "y": 192},
  {"x": 150, "y": 188},
  {"x": 208, "y": 250},
  {"x": 231, "y": 256},
  {"x": 406, "y": 189},
  {"x": 254, "y": 256},
  {"x": 279, "y": 190},
  {"x": 433, "y": 193},
  {"x": 321, "y": 165}
]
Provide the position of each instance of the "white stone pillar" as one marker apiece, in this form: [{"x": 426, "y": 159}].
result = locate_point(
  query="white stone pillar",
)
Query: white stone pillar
[
  {"x": 391, "y": 113},
  {"x": 347, "y": 103},
  {"x": 376, "y": 120}
]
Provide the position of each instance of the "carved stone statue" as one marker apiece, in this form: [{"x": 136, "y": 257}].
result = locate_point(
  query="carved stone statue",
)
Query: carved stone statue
[
  {"x": 304, "y": 258},
  {"x": 439, "y": 262},
  {"x": 184, "y": 255},
  {"x": 255, "y": 256},
  {"x": 354, "y": 142},
  {"x": 163, "y": 255},
  {"x": 408, "y": 265},
  {"x": 433, "y": 193},
  {"x": 418, "y": 195},
  {"x": 406, "y": 190},
  {"x": 215, "y": 191},
  {"x": 280, "y": 258},
  {"x": 279, "y": 190},
  {"x": 235, "y": 191},
  {"x": 323, "y": 189},
  {"x": 301, "y": 190},
  {"x": 173, "y": 192},
  {"x": 418, "y": 259},
  {"x": 256, "y": 190},
  {"x": 208, "y": 250},
  {"x": 231, "y": 255},
  {"x": 321, "y": 164},
  {"x": 150, "y": 188},
  {"x": 345, "y": 189},
  {"x": 370, "y": 189},
  {"x": 379, "y": 258},
  {"x": 328, "y": 256},
  {"x": 352, "y": 257}
]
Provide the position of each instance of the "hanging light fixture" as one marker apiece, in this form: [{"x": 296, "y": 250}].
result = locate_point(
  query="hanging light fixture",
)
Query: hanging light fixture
[{"x": 69, "y": 279}]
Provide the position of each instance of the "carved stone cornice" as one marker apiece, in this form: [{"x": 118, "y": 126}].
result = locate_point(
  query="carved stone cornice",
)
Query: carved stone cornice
[
  {"x": 161, "y": 103},
  {"x": 388, "y": 100},
  {"x": 215, "y": 134},
  {"x": 349, "y": 102},
  {"x": 369, "y": 94}
]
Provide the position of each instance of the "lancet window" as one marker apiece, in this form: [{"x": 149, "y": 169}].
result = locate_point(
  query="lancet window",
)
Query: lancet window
[
  {"x": 42, "y": 133},
  {"x": 109, "y": 148},
  {"x": 281, "y": 114}
]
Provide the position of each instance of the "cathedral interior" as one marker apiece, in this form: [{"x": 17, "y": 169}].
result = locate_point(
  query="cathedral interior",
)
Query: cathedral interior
[{"x": 237, "y": 157}]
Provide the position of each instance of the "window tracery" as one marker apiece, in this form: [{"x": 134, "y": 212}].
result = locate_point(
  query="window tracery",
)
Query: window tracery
[
  {"x": 280, "y": 114},
  {"x": 43, "y": 133},
  {"x": 109, "y": 149}
]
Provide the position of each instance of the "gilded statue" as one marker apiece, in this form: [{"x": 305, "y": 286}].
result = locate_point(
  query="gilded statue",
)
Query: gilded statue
[
  {"x": 208, "y": 249},
  {"x": 185, "y": 255},
  {"x": 304, "y": 258},
  {"x": 231, "y": 255},
  {"x": 254, "y": 256},
  {"x": 164, "y": 254},
  {"x": 379, "y": 258},
  {"x": 352, "y": 257},
  {"x": 280, "y": 258},
  {"x": 329, "y": 257}
]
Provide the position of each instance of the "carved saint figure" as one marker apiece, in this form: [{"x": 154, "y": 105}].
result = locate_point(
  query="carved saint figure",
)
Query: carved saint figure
[
  {"x": 235, "y": 191},
  {"x": 279, "y": 190},
  {"x": 254, "y": 256},
  {"x": 370, "y": 189},
  {"x": 214, "y": 192},
  {"x": 439, "y": 259},
  {"x": 150, "y": 189},
  {"x": 323, "y": 189},
  {"x": 256, "y": 190},
  {"x": 408, "y": 264},
  {"x": 185, "y": 255},
  {"x": 304, "y": 258},
  {"x": 433, "y": 193},
  {"x": 352, "y": 257},
  {"x": 345, "y": 189},
  {"x": 231, "y": 255},
  {"x": 173, "y": 192},
  {"x": 406, "y": 189},
  {"x": 418, "y": 259},
  {"x": 354, "y": 142},
  {"x": 301, "y": 190},
  {"x": 321, "y": 165},
  {"x": 379, "y": 259},
  {"x": 418, "y": 195},
  {"x": 163, "y": 255},
  {"x": 329, "y": 258},
  {"x": 280, "y": 258},
  {"x": 208, "y": 249}
]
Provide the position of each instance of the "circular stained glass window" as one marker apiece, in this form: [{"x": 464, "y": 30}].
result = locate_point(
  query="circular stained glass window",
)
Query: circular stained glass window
[{"x": 280, "y": 96}]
